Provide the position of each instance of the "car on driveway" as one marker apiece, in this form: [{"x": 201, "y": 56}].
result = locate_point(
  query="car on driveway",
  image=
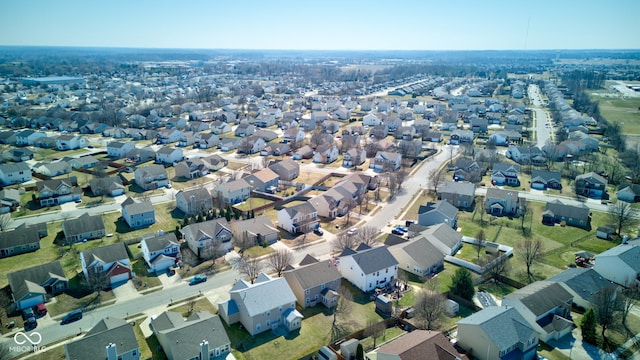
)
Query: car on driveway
[
  {"x": 318, "y": 232},
  {"x": 197, "y": 279},
  {"x": 397, "y": 232},
  {"x": 352, "y": 231},
  {"x": 402, "y": 229}
]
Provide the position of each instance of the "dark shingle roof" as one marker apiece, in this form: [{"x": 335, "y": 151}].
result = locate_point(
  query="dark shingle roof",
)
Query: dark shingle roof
[
  {"x": 374, "y": 259},
  {"x": 312, "y": 275},
  {"x": 84, "y": 223},
  {"x": 22, "y": 281},
  {"x": 105, "y": 254},
  {"x": 540, "y": 297},
  {"x": 107, "y": 331},
  {"x": 584, "y": 282},
  {"x": 160, "y": 242},
  {"x": 504, "y": 326}
]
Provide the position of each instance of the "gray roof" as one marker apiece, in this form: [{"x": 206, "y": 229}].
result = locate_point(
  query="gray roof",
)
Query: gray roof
[
  {"x": 628, "y": 254},
  {"x": 83, "y": 224},
  {"x": 253, "y": 295},
  {"x": 545, "y": 176},
  {"x": 210, "y": 228},
  {"x": 557, "y": 208},
  {"x": 504, "y": 326},
  {"x": 105, "y": 254},
  {"x": 106, "y": 331},
  {"x": 541, "y": 296},
  {"x": 12, "y": 168},
  {"x": 442, "y": 234},
  {"x": 443, "y": 207},
  {"x": 198, "y": 194},
  {"x": 305, "y": 207},
  {"x": 260, "y": 225},
  {"x": 374, "y": 259},
  {"x": 502, "y": 167},
  {"x": 24, "y": 281},
  {"x": 460, "y": 188},
  {"x": 422, "y": 251},
  {"x": 166, "y": 150},
  {"x": 139, "y": 207},
  {"x": 160, "y": 242},
  {"x": 234, "y": 185},
  {"x": 584, "y": 282},
  {"x": 497, "y": 193},
  {"x": 22, "y": 235},
  {"x": 592, "y": 177},
  {"x": 313, "y": 275},
  {"x": 184, "y": 336},
  {"x": 152, "y": 170},
  {"x": 107, "y": 184}
]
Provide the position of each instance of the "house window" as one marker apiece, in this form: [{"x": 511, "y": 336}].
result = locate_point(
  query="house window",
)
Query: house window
[
  {"x": 322, "y": 286},
  {"x": 306, "y": 292}
]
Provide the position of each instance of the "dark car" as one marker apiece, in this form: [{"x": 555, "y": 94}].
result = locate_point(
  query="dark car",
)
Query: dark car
[
  {"x": 28, "y": 316},
  {"x": 318, "y": 232},
  {"x": 397, "y": 232},
  {"x": 75, "y": 315},
  {"x": 197, "y": 279}
]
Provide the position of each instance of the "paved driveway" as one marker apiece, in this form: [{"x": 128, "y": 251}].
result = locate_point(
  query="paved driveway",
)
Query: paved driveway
[{"x": 125, "y": 291}]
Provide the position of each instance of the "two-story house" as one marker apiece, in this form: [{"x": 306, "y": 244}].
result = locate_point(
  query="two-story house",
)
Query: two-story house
[
  {"x": 440, "y": 212},
  {"x": 110, "y": 186},
  {"x": 620, "y": 264},
  {"x": 169, "y": 136},
  {"x": 108, "y": 264},
  {"x": 386, "y": 161},
  {"x": 70, "y": 142},
  {"x": 110, "y": 338},
  {"x": 207, "y": 141},
  {"x": 591, "y": 185},
  {"x": 300, "y": 218},
  {"x": 368, "y": 268},
  {"x": 138, "y": 213},
  {"x": 194, "y": 201},
  {"x": 118, "y": 149},
  {"x": 85, "y": 227},
  {"x": 220, "y": 127},
  {"x": 460, "y": 194},
  {"x": 265, "y": 180},
  {"x": 326, "y": 154},
  {"x": 151, "y": 177},
  {"x": 14, "y": 173},
  {"x": 287, "y": 169},
  {"x": 259, "y": 313},
  {"x": 233, "y": 192},
  {"x": 167, "y": 155},
  {"x": 160, "y": 252},
  {"x": 314, "y": 282},
  {"x": 83, "y": 162},
  {"x": 505, "y": 174},
  {"x": 354, "y": 157},
  {"x": 28, "y": 137},
  {"x": 501, "y": 202},
  {"x": 208, "y": 238},
  {"x": 542, "y": 180},
  {"x": 255, "y": 231},
  {"x": 56, "y": 192}
]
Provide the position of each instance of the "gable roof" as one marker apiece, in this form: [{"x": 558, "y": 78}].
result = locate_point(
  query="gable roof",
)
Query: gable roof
[
  {"x": 209, "y": 228},
  {"x": 461, "y": 188},
  {"x": 422, "y": 344},
  {"x": 443, "y": 207},
  {"x": 83, "y": 224},
  {"x": 31, "y": 279},
  {"x": 628, "y": 254},
  {"x": 105, "y": 254},
  {"x": 22, "y": 235},
  {"x": 373, "y": 259},
  {"x": 584, "y": 282},
  {"x": 137, "y": 206},
  {"x": 259, "y": 225},
  {"x": 503, "y": 325},
  {"x": 541, "y": 296},
  {"x": 160, "y": 242},
  {"x": 106, "y": 331},
  {"x": 253, "y": 295},
  {"x": 557, "y": 208},
  {"x": 545, "y": 176},
  {"x": 314, "y": 274}
]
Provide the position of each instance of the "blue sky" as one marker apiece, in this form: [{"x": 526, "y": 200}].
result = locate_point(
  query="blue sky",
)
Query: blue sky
[{"x": 323, "y": 24}]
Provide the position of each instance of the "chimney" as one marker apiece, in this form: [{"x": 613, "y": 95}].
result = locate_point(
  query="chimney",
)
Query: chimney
[
  {"x": 112, "y": 352},
  {"x": 204, "y": 350}
]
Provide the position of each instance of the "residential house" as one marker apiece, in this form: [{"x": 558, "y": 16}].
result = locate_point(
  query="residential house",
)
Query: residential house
[
  {"x": 354, "y": 157},
  {"x": 418, "y": 255},
  {"x": 620, "y": 264},
  {"x": 503, "y": 138},
  {"x": 305, "y": 152},
  {"x": 460, "y": 137},
  {"x": 449, "y": 120},
  {"x": 138, "y": 213},
  {"x": 188, "y": 138},
  {"x": 525, "y": 154},
  {"x": 151, "y": 177},
  {"x": 555, "y": 212},
  {"x": 200, "y": 336},
  {"x": 300, "y": 218},
  {"x": 368, "y": 268},
  {"x": 83, "y": 162},
  {"x": 546, "y": 306},
  {"x": 479, "y": 125},
  {"x": 294, "y": 135},
  {"x": 505, "y": 174},
  {"x": 52, "y": 169},
  {"x": 542, "y": 180},
  {"x": 208, "y": 238},
  {"x": 220, "y": 127},
  {"x": 276, "y": 149},
  {"x": 460, "y": 194},
  {"x": 582, "y": 284},
  {"x": 228, "y": 144},
  {"x": 28, "y": 137},
  {"x": 118, "y": 149},
  {"x": 233, "y": 192},
  {"x": 255, "y": 231},
  {"x": 264, "y": 180},
  {"x": 319, "y": 116},
  {"x": 160, "y": 252},
  {"x": 14, "y": 173},
  {"x": 386, "y": 161},
  {"x": 287, "y": 169},
  {"x": 392, "y": 124},
  {"x": 498, "y": 332},
  {"x": 326, "y": 154},
  {"x": 266, "y": 135},
  {"x": 207, "y": 141},
  {"x": 194, "y": 201},
  {"x": 432, "y": 136},
  {"x": 591, "y": 185},
  {"x": 112, "y": 338},
  {"x": 314, "y": 282},
  {"x": 167, "y": 155},
  {"x": 9, "y": 200},
  {"x": 31, "y": 286},
  {"x": 447, "y": 240},
  {"x": 139, "y": 156},
  {"x": 18, "y": 155},
  {"x": 628, "y": 192},
  {"x": 251, "y": 144},
  {"x": 192, "y": 168},
  {"x": 372, "y": 119},
  {"x": 501, "y": 202},
  {"x": 244, "y": 129},
  {"x": 110, "y": 263},
  {"x": 70, "y": 142},
  {"x": 56, "y": 192},
  {"x": 20, "y": 240},
  {"x": 85, "y": 227},
  {"x": 257, "y": 312},
  {"x": 176, "y": 123},
  {"x": 439, "y": 212},
  {"x": 168, "y": 136},
  {"x": 417, "y": 344}
]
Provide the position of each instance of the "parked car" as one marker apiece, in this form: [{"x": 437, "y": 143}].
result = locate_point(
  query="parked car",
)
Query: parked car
[
  {"x": 197, "y": 279},
  {"x": 318, "y": 232},
  {"x": 75, "y": 315},
  {"x": 41, "y": 310},
  {"x": 352, "y": 231},
  {"x": 397, "y": 232},
  {"x": 28, "y": 316},
  {"x": 401, "y": 229}
]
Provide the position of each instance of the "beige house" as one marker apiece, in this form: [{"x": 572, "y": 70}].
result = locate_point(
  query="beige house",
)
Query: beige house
[{"x": 314, "y": 282}]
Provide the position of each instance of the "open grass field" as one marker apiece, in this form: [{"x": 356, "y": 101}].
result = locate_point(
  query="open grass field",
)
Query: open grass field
[
  {"x": 620, "y": 110},
  {"x": 167, "y": 218}
]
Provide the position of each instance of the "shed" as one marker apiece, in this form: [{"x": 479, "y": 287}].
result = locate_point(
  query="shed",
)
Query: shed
[
  {"x": 451, "y": 308},
  {"x": 604, "y": 232},
  {"x": 384, "y": 305},
  {"x": 327, "y": 354},
  {"x": 348, "y": 349}
]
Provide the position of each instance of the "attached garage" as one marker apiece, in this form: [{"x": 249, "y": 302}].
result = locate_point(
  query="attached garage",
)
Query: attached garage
[
  {"x": 30, "y": 300},
  {"x": 119, "y": 274},
  {"x": 537, "y": 186}
]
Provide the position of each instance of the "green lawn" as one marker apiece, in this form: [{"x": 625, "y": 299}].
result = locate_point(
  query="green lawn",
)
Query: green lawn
[
  {"x": 77, "y": 298},
  {"x": 620, "y": 110},
  {"x": 167, "y": 218},
  {"x": 252, "y": 203},
  {"x": 147, "y": 280}
]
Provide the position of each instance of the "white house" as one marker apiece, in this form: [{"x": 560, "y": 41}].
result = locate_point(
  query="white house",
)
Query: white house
[
  {"x": 301, "y": 218},
  {"x": 386, "y": 161},
  {"x": 326, "y": 154},
  {"x": 111, "y": 260},
  {"x": 160, "y": 252},
  {"x": 368, "y": 268},
  {"x": 14, "y": 173},
  {"x": 118, "y": 149},
  {"x": 619, "y": 264},
  {"x": 167, "y": 155},
  {"x": 70, "y": 142}
]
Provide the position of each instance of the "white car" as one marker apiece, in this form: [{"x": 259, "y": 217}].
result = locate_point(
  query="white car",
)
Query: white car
[{"x": 352, "y": 231}]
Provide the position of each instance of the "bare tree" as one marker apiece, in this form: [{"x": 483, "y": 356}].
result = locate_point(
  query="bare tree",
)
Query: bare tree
[
  {"x": 317, "y": 136},
  {"x": 436, "y": 178},
  {"x": 375, "y": 329},
  {"x": 212, "y": 250},
  {"x": 97, "y": 281},
  {"x": 5, "y": 300},
  {"x": 279, "y": 260},
  {"x": 531, "y": 251},
  {"x": 367, "y": 235},
  {"x": 623, "y": 215},
  {"x": 343, "y": 241},
  {"x": 5, "y": 222},
  {"x": 243, "y": 242},
  {"x": 628, "y": 301},
  {"x": 429, "y": 307},
  {"x": 480, "y": 243},
  {"x": 248, "y": 266},
  {"x": 498, "y": 265},
  {"x": 342, "y": 308},
  {"x": 607, "y": 305},
  {"x": 264, "y": 161}
]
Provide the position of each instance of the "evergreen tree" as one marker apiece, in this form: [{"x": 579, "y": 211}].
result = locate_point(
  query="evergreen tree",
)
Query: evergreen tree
[
  {"x": 462, "y": 284},
  {"x": 227, "y": 214},
  {"x": 359, "y": 352},
  {"x": 588, "y": 327}
]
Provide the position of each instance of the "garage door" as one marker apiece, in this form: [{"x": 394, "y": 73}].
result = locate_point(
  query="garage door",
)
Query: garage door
[
  {"x": 27, "y": 303},
  {"x": 124, "y": 277}
]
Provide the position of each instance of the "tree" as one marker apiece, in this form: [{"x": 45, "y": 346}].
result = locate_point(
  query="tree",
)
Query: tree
[
  {"x": 359, "y": 352},
  {"x": 5, "y": 222},
  {"x": 481, "y": 241},
  {"x": 588, "y": 327},
  {"x": 343, "y": 241},
  {"x": 375, "y": 329},
  {"x": 606, "y": 304},
  {"x": 367, "y": 235},
  {"x": 531, "y": 251},
  {"x": 623, "y": 215},
  {"x": 279, "y": 260},
  {"x": 212, "y": 250},
  {"x": 429, "y": 307},
  {"x": 462, "y": 284},
  {"x": 248, "y": 266},
  {"x": 524, "y": 211},
  {"x": 498, "y": 265},
  {"x": 628, "y": 301},
  {"x": 97, "y": 281},
  {"x": 436, "y": 178},
  {"x": 342, "y": 308}
]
